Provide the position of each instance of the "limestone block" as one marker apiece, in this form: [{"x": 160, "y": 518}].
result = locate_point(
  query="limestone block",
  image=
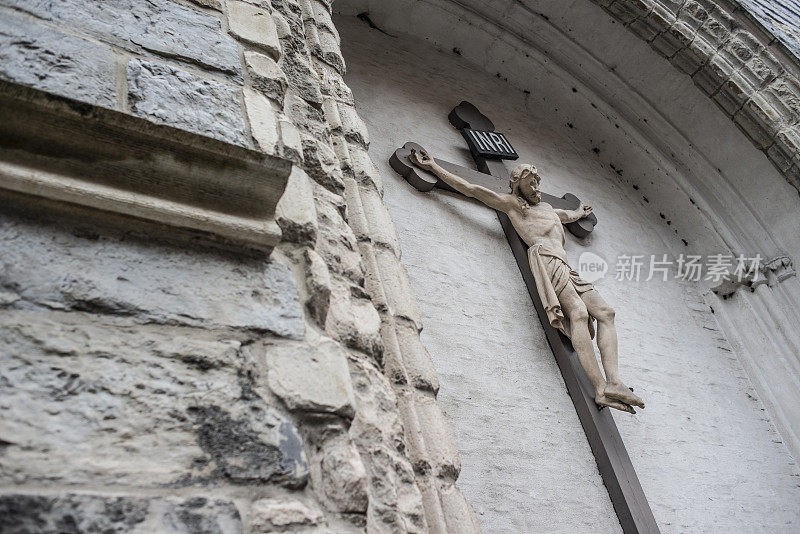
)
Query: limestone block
[
  {"x": 763, "y": 113},
  {"x": 332, "y": 115},
  {"x": 622, "y": 11},
  {"x": 750, "y": 125},
  {"x": 673, "y": 6},
  {"x": 340, "y": 147},
  {"x": 780, "y": 156},
  {"x": 332, "y": 85},
  {"x": 213, "y": 4},
  {"x": 306, "y": 10},
  {"x": 740, "y": 48},
  {"x": 789, "y": 140},
  {"x": 281, "y": 25},
  {"x": 693, "y": 14},
  {"x": 704, "y": 79},
  {"x": 713, "y": 74},
  {"x": 659, "y": 18},
  {"x": 311, "y": 378},
  {"x": 165, "y": 28},
  {"x": 648, "y": 26},
  {"x": 355, "y": 210},
  {"x": 409, "y": 499},
  {"x": 301, "y": 75},
  {"x": 312, "y": 37},
  {"x": 254, "y": 25},
  {"x": 365, "y": 171},
  {"x": 643, "y": 29},
  {"x": 761, "y": 69},
  {"x": 392, "y": 358},
  {"x": 353, "y": 320},
  {"x": 665, "y": 44},
  {"x": 353, "y": 127},
  {"x": 176, "y": 97},
  {"x": 318, "y": 283},
  {"x": 75, "y": 512},
  {"x": 717, "y": 27},
  {"x": 322, "y": 16},
  {"x": 417, "y": 448},
  {"x": 295, "y": 213},
  {"x": 266, "y": 76},
  {"x": 263, "y": 121},
  {"x": 733, "y": 93},
  {"x": 397, "y": 287},
  {"x": 330, "y": 52},
  {"x": 291, "y": 144},
  {"x": 267, "y": 514},
  {"x": 337, "y": 243},
  {"x": 416, "y": 360},
  {"x": 321, "y": 164},
  {"x": 433, "y": 507},
  {"x": 692, "y": 57},
  {"x": 438, "y": 435},
  {"x": 381, "y": 227},
  {"x": 784, "y": 94},
  {"x": 38, "y": 56},
  {"x": 458, "y": 514},
  {"x": 377, "y": 416},
  {"x": 678, "y": 36},
  {"x": 92, "y": 401},
  {"x": 383, "y": 502},
  {"x": 83, "y": 268},
  {"x": 793, "y": 175},
  {"x": 308, "y": 118},
  {"x": 372, "y": 278},
  {"x": 339, "y": 475},
  {"x": 395, "y": 501}
]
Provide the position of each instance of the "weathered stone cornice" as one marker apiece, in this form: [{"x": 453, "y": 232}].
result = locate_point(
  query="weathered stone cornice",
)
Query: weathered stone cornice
[{"x": 77, "y": 153}]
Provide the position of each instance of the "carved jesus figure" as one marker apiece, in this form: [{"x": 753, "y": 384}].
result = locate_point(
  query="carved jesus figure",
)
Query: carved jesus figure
[{"x": 571, "y": 303}]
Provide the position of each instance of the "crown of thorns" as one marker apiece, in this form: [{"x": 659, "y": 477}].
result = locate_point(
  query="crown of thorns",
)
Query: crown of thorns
[{"x": 519, "y": 172}]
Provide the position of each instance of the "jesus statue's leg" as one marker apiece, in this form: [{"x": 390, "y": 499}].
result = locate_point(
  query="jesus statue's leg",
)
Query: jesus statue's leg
[
  {"x": 607, "y": 343},
  {"x": 576, "y": 310}
]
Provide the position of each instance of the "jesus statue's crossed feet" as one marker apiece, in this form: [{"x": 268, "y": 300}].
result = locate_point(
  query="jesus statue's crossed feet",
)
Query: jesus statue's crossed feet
[{"x": 618, "y": 396}]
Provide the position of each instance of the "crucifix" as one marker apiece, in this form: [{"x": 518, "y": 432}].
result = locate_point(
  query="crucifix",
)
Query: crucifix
[{"x": 566, "y": 304}]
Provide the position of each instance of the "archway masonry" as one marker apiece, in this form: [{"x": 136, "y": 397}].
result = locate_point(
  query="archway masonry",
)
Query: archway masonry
[{"x": 729, "y": 54}]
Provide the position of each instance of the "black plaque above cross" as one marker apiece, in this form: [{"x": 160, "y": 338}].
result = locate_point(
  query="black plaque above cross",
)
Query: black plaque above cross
[{"x": 488, "y": 151}]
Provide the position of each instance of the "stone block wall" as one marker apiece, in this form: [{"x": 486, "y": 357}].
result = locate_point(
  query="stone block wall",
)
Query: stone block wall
[
  {"x": 749, "y": 74},
  {"x": 154, "y": 385}
]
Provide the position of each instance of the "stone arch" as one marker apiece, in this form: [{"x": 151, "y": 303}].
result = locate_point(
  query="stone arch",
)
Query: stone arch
[{"x": 747, "y": 71}]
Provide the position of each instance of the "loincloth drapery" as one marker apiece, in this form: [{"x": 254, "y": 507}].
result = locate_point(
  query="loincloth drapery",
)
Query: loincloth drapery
[{"x": 552, "y": 274}]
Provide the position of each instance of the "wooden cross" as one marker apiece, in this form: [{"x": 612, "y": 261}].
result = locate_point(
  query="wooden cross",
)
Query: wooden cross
[{"x": 613, "y": 462}]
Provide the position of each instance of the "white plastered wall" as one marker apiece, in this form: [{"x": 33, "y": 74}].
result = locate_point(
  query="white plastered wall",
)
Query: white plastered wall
[{"x": 705, "y": 449}]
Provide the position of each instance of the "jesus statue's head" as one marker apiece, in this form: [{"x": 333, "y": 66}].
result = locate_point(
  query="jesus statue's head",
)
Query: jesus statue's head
[{"x": 524, "y": 183}]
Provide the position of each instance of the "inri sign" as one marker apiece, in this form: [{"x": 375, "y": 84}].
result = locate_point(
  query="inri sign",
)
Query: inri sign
[{"x": 491, "y": 145}]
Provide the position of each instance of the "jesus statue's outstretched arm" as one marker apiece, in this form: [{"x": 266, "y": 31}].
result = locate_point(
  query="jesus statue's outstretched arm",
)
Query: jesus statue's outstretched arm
[
  {"x": 500, "y": 202},
  {"x": 568, "y": 216}
]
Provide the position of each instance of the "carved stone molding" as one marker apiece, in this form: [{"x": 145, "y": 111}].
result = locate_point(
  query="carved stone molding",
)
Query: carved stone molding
[
  {"x": 769, "y": 272},
  {"x": 733, "y": 57},
  {"x": 75, "y": 153}
]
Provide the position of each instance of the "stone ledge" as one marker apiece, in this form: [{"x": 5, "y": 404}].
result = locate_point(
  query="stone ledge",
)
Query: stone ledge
[{"x": 78, "y": 153}]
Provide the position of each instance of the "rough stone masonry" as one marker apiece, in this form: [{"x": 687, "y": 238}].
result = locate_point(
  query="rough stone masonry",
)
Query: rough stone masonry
[{"x": 158, "y": 385}]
